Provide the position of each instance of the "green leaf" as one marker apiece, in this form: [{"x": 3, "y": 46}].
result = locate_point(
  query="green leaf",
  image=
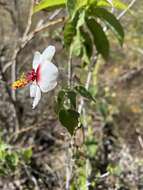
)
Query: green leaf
[
  {"x": 27, "y": 154},
  {"x": 87, "y": 43},
  {"x": 46, "y": 4},
  {"x": 76, "y": 46},
  {"x": 69, "y": 33},
  {"x": 110, "y": 20},
  {"x": 115, "y": 3},
  {"x": 72, "y": 97},
  {"x": 71, "y": 6},
  {"x": 66, "y": 98},
  {"x": 81, "y": 20},
  {"x": 3, "y": 146},
  {"x": 93, "y": 89},
  {"x": 81, "y": 3},
  {"x": 59, "y": 102},
  {"x": 99, "y": 36},
  {"x": 84, "y": 92},
  {"x": 60, "y": 98},
  {"x": 12, "y": 160},
  {"x": 74, "y": 5},
  {"x": 69, "y": 119},
  {"x": 103, "y": 108}
]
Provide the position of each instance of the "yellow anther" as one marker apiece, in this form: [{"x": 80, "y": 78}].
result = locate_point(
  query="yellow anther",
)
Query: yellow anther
[{"x": 20, "y": 83}]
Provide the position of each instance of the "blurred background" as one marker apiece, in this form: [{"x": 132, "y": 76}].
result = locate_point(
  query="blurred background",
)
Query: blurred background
[{"x": 115, "y": 149}]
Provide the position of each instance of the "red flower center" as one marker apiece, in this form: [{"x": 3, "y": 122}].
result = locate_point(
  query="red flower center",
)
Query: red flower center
[
  {"x": 28, "y": 78},
  {"x": 38, "y": 73},
  {"x": 31, "y": 76}
]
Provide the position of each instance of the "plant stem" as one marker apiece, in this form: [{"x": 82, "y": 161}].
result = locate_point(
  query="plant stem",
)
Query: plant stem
[{"x": 70, "y": 70}]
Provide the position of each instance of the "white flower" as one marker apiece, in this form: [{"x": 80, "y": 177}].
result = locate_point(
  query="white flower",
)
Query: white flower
[{"x": 44, "y": 74}]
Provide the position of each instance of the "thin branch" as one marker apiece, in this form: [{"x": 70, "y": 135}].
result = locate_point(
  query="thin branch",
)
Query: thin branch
[
  {"x": 69, "y": 163},
  {"x": 140, "y": 141},
  {"x": 125, "y": 11},
  {"x": 24, "y": 130},
  {"x": 45, "y": 26},
  {"x": 29, "y": 19},
  {"x": 55, "y": 14},
  {"x": 69, "y": 160}
]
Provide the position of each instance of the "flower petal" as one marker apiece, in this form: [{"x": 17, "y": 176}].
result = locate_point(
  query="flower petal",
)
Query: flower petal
[
  {"x": 37, "y": 97},
  {"x": 33, "y": 88},
  {"x": 36, "y": 60},
  {"x": 48, "y": 76},
  {"x": 48, "y": 53}
]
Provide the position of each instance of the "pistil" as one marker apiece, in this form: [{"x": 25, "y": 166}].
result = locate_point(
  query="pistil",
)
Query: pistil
[{"x": 24, "y": 80}]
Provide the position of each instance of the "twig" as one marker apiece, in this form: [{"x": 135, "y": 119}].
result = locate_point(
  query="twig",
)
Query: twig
[
  {"x": 55, "y": 14},
  {"x": 103, "y": 175},
  {"x": 23, "y": 131},
  {"x": 139, "y": 138},
  {"x": 140, "y": 141},
  {"x": 45, "y": 26},
  {"x": 68, "y": 176},
  {"x": 69, "y": 163},
  {"x": 125, "y": 11},
  {"x": 29, "y": 19}
]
